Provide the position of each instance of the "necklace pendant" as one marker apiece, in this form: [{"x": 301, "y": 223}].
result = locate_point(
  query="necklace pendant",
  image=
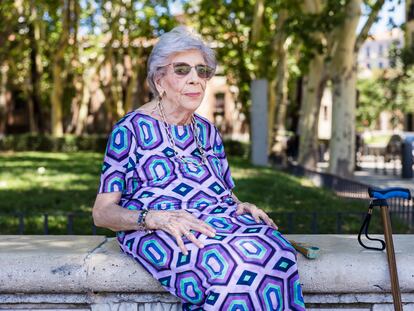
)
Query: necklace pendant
[
  {"x": 191, "y": 162},
  {"x": 194, "y": 165}
]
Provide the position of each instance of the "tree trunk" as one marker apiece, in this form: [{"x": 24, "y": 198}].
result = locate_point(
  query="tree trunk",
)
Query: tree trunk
[
  {"x": 56, "y": 98},
  {"x": 131, "y": 69},
  {"x": 141, "y": 96},
  {"x": 272, "y": 112},
  {"x": 106, "y": 81},
  {"x": 282, "y": 102},
  {"x": 76, "y": 103},
  {"x": 116, "y": 88},
  {"x": 57, "y": 70},
  {"x": 36, "y": 69},
  {"x": 76, "y": 68},
  {"x": 112, "y": 85},
  {"x": 27, "y": 90},
  {"x": 343, "y": 66},
  {"x": 4, "y": 69},
  {"x": 88, "y": 76},
  {"x": 313, "y": 86},
  {"x": 117, "y": 67},
  {"x": 257, "y": 20},
  {"x": 278, "y": 88}
]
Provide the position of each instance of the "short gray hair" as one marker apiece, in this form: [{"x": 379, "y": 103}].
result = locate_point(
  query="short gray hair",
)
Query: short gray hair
[{"x": 177, "y": 40}]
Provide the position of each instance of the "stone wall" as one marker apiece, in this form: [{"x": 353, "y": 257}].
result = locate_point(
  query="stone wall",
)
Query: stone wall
[{"x": 90, "y": 273}]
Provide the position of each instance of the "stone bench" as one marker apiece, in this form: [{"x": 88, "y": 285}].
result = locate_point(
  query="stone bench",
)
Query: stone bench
[{"x": 91, "y": 273}]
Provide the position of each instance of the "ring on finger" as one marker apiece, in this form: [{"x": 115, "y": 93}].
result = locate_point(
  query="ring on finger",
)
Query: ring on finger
[{"x": 186, "y": 234}]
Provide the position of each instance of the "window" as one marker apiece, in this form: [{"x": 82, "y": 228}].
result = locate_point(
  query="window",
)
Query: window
[
  {"x": 380, "y": 65},
  {"x": 380, "y": 50},
  {"x": 367, "y": 51}
]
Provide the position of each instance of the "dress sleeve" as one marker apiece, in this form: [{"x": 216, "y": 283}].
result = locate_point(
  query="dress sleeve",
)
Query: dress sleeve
[
  {"x": 118, "y": 160},
  {"x": 218, "y": 148}
]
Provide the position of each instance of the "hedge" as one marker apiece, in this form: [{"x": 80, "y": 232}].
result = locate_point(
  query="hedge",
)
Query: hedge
[
  {"x": 67, "y": 143},
  {"x": 73, "y": 143}
]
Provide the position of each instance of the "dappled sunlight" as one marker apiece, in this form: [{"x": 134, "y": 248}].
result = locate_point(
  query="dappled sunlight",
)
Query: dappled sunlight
[
  {"x": 69, "y": 184},
  {"x": 51, "y": 180},
  {"x": 306, "y": 183},
  {"x": 43, "y": 170}
]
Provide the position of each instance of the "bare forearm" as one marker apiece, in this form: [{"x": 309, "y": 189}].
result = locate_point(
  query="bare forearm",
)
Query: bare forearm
[{"x": 115, "y": 218}]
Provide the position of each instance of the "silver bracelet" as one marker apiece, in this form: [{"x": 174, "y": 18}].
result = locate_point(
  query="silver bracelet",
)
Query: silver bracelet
[{"x": 142, "y": 225}]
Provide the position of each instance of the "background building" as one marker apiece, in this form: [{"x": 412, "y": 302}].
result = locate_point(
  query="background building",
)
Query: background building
[{"x": 374, "y": 53}]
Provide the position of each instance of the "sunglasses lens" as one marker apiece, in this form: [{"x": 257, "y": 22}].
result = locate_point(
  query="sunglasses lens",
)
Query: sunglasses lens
[
  {"x": 182, "y": 69},
  {"x": 204, "y": 71}
]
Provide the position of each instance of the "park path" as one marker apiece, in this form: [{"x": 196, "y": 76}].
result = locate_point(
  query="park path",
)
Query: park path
[
  {"x": 378, "y": 175},
  {"x": 378, "y": 179},
  {"x": 383, "y": 175}
]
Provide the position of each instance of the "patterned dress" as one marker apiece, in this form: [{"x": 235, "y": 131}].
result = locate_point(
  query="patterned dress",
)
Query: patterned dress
[{"x": 246, "y": 266}]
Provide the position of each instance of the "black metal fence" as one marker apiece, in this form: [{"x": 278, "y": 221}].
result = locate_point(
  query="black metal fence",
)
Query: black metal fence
[
  {"x": 294, "y": 222},
  {"x": 342, "y": 187},
  {"x": 402, "y": 212},
  {"x": 402, "y": 209},
  {"x": 289, "y": 222},
  {"x": 34, "y": 223}
]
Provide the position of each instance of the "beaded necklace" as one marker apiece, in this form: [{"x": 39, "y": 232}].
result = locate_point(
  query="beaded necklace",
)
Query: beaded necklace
[{"x": 172, "y": 141}]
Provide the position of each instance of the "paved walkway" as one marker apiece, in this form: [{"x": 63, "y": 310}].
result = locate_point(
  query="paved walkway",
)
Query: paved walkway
[
  {"x": 377, "y": 179},
  {"x": 381, "y": 177},
  {"x": 386, "y": 175}
]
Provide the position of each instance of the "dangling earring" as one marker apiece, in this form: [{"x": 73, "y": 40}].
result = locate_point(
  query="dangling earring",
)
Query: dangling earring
[{"x": 159, "y": 102}]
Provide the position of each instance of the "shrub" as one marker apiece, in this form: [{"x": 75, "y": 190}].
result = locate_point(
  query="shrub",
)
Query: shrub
[
  {"x": 236, "y": 148},
  {"x": 67, "y": 143},
  {"x": 72, "y": 143}
]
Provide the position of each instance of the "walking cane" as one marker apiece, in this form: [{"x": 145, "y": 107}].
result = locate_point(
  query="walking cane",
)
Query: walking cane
[{"x": 379, "y": 198}]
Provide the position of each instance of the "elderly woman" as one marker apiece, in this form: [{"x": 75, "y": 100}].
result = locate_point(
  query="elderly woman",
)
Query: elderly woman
[{"x": 166, "y": 189}]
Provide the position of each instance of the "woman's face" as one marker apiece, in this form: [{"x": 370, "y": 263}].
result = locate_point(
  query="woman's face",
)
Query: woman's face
[{"x": 183, "y": 92}]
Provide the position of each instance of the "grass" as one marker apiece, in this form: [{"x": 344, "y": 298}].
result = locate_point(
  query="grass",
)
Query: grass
[
  {"x": 55, "y": 183},
  {"x": 279, "y": 194},
  {"x": 35, "y": 183}
]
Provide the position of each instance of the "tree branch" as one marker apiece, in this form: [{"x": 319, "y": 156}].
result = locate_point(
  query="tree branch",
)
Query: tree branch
[
  {"x": 257, "y": 20},
  {"x": 362, "y": 36}
]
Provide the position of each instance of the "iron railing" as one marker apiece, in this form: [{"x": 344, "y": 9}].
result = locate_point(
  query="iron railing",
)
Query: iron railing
[
  {"x": 291, "y": 222},
  {"x": 352, "y": 189},
  {"x": 20, "y": 222},
  {"x": 342, "y": 187}
]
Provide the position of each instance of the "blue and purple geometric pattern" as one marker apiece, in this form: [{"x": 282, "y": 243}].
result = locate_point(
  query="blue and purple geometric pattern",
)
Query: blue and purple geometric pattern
[{"x": 246, "y": 266}]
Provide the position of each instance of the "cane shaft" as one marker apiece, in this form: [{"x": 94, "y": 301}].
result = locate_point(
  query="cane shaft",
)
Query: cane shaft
[{"x": 392, "y": 264}]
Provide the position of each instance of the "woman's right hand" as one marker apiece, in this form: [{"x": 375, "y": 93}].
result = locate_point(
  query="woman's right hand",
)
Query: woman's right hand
[{"x": 178, "y": 223}]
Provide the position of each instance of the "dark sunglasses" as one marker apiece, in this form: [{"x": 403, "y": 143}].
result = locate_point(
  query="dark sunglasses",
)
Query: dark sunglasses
[{"x": 183, "y": 69}]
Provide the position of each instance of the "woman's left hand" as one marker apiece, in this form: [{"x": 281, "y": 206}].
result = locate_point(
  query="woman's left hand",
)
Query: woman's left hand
[{"x": 257, "y": 213}]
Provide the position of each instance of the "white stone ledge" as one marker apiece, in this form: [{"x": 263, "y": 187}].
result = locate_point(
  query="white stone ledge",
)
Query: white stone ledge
[{"x": 90, "y": 270}]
